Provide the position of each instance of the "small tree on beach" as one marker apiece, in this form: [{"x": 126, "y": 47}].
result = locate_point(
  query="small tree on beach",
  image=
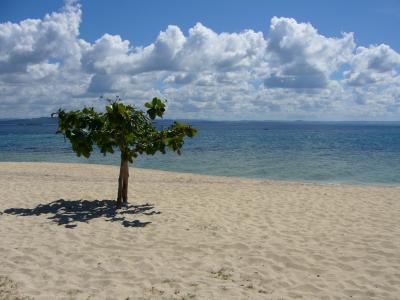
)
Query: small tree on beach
[{"x": 122, "y": 127}]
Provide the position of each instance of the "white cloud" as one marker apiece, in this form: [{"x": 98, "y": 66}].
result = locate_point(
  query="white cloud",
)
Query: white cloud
[
  {"x": 302, "y": 58},
  {"x": 38, "y": 41},
  {"x": 201, "y": 50},
  {"x": 375, "y": 64},
  {"x": 291, "y": 72}
]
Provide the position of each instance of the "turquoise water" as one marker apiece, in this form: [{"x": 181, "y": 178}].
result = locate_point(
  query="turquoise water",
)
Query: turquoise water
[{"x": 341, "y": 152}]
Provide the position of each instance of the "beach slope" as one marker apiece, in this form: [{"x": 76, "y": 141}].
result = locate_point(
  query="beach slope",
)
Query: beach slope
[{"x": 187, "y": 236}]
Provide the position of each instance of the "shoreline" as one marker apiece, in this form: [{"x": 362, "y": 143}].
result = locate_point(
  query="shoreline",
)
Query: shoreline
[
  {"x": 190, "y": 236},
  {"x": 300, "y": 182}
]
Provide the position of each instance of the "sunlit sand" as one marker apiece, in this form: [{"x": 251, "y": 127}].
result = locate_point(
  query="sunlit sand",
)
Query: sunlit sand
[{"x": 186, "y": 236}]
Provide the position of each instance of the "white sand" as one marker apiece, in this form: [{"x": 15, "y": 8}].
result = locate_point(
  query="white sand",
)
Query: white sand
[{"x": 209, "y": 237}]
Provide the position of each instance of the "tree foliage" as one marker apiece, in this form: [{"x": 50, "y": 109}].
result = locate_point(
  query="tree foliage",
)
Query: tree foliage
[{"x": 122, "y": 127}]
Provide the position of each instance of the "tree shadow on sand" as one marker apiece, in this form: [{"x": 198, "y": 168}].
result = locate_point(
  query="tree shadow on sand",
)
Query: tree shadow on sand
[{"x": 70, "y": 212}]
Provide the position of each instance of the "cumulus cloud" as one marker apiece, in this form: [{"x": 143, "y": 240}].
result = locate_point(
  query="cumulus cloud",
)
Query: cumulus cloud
[
  {"x": 375, "y": 64},
  {"x": 292, "y": 71},
  {"x": 37, "y": 41},
  {"x": 202, "y": 50},
  {"x": 302, "y": 58}
]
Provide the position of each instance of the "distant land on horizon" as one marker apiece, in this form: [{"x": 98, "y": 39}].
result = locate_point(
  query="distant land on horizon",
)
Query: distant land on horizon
[{"x": 54, "y": 120}]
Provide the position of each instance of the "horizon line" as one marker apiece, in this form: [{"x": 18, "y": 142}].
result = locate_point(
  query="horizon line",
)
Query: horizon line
[{"x": 240, "y": 120}]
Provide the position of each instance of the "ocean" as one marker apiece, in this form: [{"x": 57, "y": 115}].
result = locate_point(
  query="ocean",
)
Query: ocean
[{"x": 328, "y": 152}]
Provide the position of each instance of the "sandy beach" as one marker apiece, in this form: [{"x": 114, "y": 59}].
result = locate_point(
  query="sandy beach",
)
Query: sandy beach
[{"x": 187, "y": 236}]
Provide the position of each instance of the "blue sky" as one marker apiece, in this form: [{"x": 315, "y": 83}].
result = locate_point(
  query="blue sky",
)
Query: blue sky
[
  {"x": 314, "y": 60},
  {"x": 374, "y": 22}
]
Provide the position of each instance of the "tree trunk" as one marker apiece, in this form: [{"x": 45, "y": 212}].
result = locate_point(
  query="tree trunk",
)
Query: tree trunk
[
  {"x": 122, "y": 197},
  {"x": 125, "y": 182},
  {"x": 120, "y": 185}
]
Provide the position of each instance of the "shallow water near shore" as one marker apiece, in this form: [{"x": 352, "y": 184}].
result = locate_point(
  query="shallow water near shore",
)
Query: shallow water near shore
[{"x": 330, "y": 152}]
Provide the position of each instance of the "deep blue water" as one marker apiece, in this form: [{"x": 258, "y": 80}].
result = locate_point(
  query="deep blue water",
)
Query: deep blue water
[{"x": 336, "y": 152}]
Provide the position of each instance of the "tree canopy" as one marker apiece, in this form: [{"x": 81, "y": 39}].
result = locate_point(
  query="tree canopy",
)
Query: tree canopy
[{"x": 122, "y": 127}]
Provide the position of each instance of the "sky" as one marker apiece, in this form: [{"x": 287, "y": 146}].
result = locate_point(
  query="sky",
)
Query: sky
[{"x": 219, "y": 60}]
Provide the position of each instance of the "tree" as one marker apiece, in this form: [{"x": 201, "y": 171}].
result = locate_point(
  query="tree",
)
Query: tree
[{"x": 124, "y": 128}]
